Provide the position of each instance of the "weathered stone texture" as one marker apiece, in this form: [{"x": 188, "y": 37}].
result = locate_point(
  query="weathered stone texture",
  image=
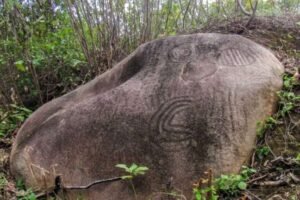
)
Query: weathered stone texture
[{"x": 178, "y": 105}]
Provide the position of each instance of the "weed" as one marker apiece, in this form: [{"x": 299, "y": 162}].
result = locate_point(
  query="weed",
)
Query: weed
[
  {"x": 228, "y": 186},
  {"x": 26, "y": 195},
  {"x": 20, "y": 184},
  {"x": 23, "y": 193},
  {"x": 202, "y": 193},
  {"x": 288, "y": 100},
  {"x": 288, "y": 82},
  {"x": 12, "y": 118},
  {"x": 246, "y": 172},
  {"x": 262, "y": 127},
  {"x": 297, "y": 158},
  {"x": 131, "y": 172},
  {"x": 294, "y": 197},
  {"x": 262, "y": 152},
  {"x": 231, "y": 185},
  {"x": 204, "y": 189},
  {"x": 3, "y": 181}
]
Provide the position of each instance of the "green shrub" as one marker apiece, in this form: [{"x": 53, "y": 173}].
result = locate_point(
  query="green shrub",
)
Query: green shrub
[{"x": 12, "y": 118}]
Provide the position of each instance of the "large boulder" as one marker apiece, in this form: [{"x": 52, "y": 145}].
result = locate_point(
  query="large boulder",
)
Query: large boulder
[{"x": 179, "y": 105}]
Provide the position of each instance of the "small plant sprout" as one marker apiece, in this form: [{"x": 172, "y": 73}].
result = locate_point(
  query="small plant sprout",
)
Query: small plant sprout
[
  {"x": 247, "y": 172},
  {"x": 289, "y": 82},
  {"x": 3, "y": 181},
  {"x": 262, "y": 152},
  {"x": 204, "y": 189},
  {"x": 263, "y": 126},
  {"x": 288, "y": 100},
  {"x": 231, "y": 185},
  {"x": 297, "y": 158},
  {"x": 131, "y": 172},
  {"x": 26, "y": 195}
]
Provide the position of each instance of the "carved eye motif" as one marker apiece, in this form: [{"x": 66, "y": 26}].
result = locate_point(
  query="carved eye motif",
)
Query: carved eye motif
[
  {"x": 180, "y": 53},
  {"x": 170, "y": 122},
  {"x": 236, "y": 57}
]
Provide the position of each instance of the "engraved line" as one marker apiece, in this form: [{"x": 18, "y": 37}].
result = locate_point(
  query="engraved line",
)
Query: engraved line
[
  {"x": 231, "y": 110},
  {"x": 248, "y": 58},
  {"x": 213, "y": 100},
  {"x": 234, "y": 61},
  {"x": 227, "y": 58},
  {"x": 162, "y": 119},
  {"x": 228, "y": 53},
  {"x": 169, "y": 127},
  {"x": 165, "y": 106},
  {"x": 239, "y": 57},
  {"x": 236, "y": 57},
  {"x": 243, "y": 58}
]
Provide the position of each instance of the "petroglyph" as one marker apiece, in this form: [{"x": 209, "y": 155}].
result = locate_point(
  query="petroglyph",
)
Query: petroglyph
[
  {"x": 180, "y": 53},
  {"x": 236, "y": 57},
  {"x": 165, "y": 124}
]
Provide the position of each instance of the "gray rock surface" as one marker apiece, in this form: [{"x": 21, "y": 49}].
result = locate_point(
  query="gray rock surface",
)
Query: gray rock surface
[{"x": 179, "y": 105}]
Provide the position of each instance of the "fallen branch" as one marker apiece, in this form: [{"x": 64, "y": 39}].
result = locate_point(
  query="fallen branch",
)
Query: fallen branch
[
  {"x": 257, "y": 179},
  {"x": 284, "y": 180},
  {"x": 91, "y": 184},
  {"x": 286, "y": 161},
  {"x": 253, "y": 195},
  {"x": 294, "y": 177},
  {"x": 273, "y": 183},
  {"x": 59, "y": 186}
]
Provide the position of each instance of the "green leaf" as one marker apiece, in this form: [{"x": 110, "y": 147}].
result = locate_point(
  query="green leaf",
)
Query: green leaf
[
  {"x": 142, "y": 168},
  {"x": 242, "y": 185},
  {"x": 36, "y": 62},
  {"x": 133, "y": 167},
  {"x": 127, "y": 177},
  {"x": 18, "y": 117},
  {"x": 133, "y": 170},
  {"x": 2, "y": 61},
  {"x": 140, "y": 173},
  {"x": 26, "y": 110},
  {"x": 20, "y": 65},
  {"x": 76, "y": 62},
  {"x": 122, "y": 166},
  {"x": 3, "y": 181},
  {"x": 198, "y": 196}
]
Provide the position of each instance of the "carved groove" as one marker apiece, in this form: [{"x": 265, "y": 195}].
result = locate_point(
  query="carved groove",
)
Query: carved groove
[
  {"x": 161, "y": 121},
  {"x": 180, "y": 53},
  {"x": 236, "y": 57}
]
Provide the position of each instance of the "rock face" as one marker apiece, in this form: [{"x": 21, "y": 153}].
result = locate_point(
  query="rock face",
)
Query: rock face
[{"x": 179, "y": 105}]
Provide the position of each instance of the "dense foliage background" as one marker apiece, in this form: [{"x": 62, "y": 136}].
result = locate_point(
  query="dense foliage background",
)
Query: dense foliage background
[{"x": 48, "y": 47}]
